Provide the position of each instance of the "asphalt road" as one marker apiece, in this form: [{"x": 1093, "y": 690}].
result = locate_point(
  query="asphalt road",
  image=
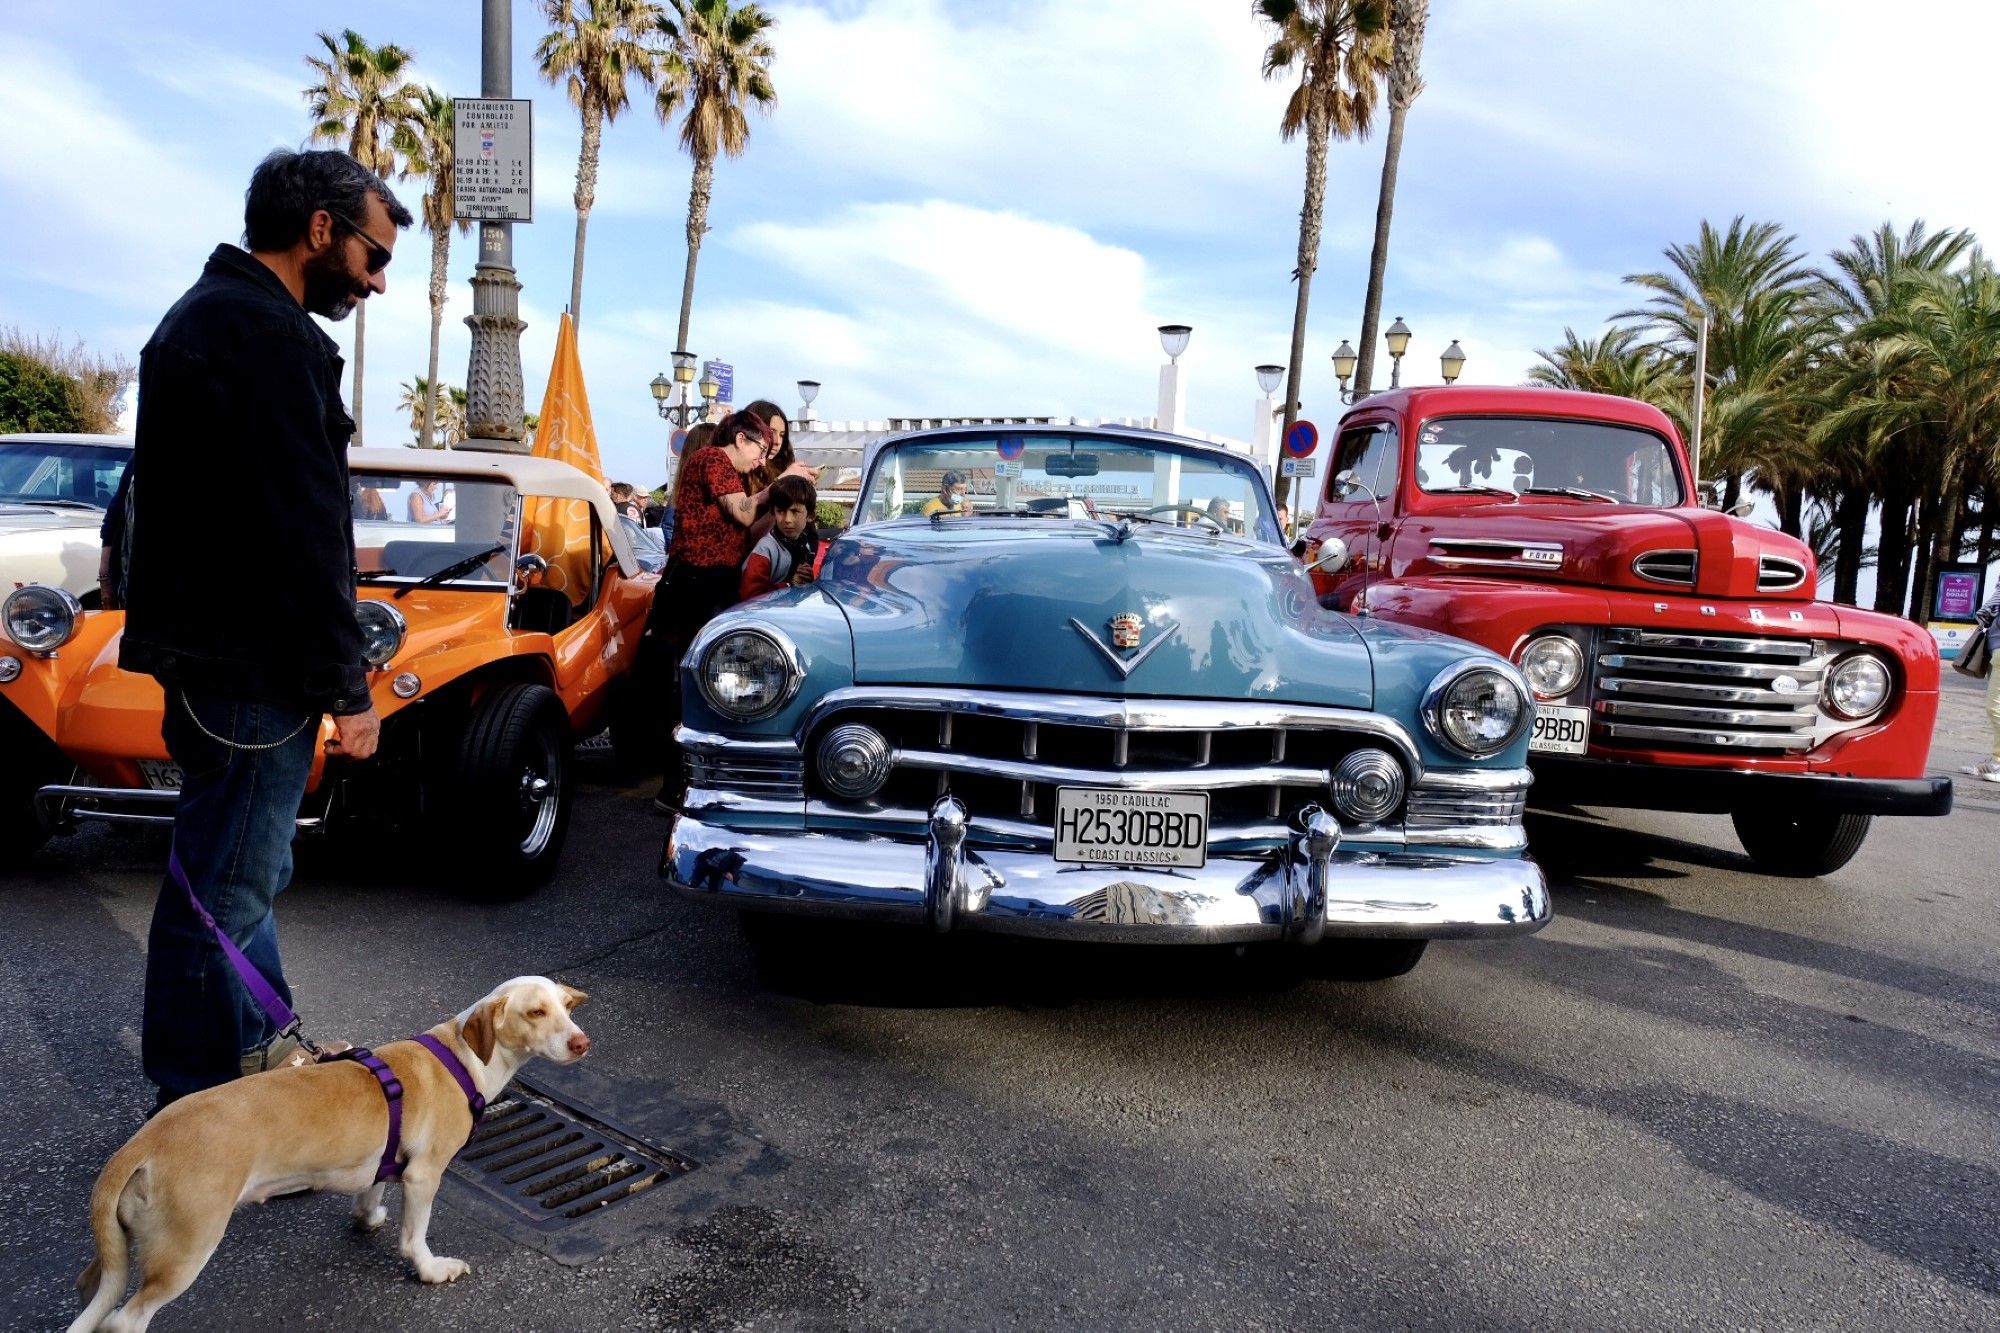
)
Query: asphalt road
[{"x": 1702, "y": 1098}]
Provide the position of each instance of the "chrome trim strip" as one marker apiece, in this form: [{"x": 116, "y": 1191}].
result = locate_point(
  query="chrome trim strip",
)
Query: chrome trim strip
[
  {"x": 1801, "y": 649},
  {"x": 1692, "y": 689},
  {"x": 1125, "y": 779},
  {"x": 706, "y": 742},
  {"x": 1790, "y": 573},
  {"x": 1128, "y": 714},
  {"x": 1694, "y": 666},
  {"x": 1398, "y": 895},
  {"x": 1478, "y": 779},
  {"x": 1714, "y": 717},
  {"x": 1753, "y": 740},
  {"x": 1125, "y": 666},
  {"x": 1673, "y": 556}
]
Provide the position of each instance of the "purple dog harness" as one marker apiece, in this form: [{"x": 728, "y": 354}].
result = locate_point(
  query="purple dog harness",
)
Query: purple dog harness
[
  {"x": 281, "y": 1014},
  {"x": 392, "y": 1088}
]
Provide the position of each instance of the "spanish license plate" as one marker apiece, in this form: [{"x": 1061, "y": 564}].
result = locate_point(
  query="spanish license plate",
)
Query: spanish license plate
[
  {"x": 161, "y": 775},
  {"x": 1560, "y": 730},
  {"x": 1095, "y": 826}
]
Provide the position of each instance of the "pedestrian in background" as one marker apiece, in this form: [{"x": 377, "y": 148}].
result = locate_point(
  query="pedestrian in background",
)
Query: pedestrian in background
[
  {"x": 1988, "y": 769},
  {"x": 238, "y": 381},
  {"x": 787, "y": 555}
]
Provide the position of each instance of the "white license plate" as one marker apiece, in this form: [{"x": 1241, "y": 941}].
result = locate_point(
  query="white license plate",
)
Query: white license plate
[
  {"x": 161, "y": 775},
  {"x": 1095, "y": 826},
  {"x": 1560, "y": 730}
]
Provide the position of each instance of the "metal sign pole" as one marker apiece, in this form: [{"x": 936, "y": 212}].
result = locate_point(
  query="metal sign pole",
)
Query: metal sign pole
[{"x": 494, "y": 390}]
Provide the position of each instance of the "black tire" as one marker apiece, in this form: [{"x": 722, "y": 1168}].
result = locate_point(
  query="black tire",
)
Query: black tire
[
  {"x": 20, "y": 831},
  {"x": 31, "y": 764},
  {"x": 509, "y": 834},
  {"x": 634, "y": 735},
  {"x": 1364, "y": 960},
  {"x": 1800, "y": 844}
]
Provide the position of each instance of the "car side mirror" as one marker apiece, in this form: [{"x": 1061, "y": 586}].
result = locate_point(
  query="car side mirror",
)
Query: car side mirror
[
  {"x": 1332, "y": 556},
  {"x": 531, "y": 564},
  {"x": 1744, "y": 508},
  {"x": 1346, "y": 482}
]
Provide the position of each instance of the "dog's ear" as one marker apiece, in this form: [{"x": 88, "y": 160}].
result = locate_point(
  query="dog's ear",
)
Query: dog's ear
[
  {"x": 477, "y": 1030},
  {"x": 571, "y": 996}
]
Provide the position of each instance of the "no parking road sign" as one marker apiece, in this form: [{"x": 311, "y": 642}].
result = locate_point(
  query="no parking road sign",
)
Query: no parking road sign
[{"x": 1301, "y": 439}]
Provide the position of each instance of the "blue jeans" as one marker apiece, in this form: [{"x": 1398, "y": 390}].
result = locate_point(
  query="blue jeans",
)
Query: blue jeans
[{"x": 233, "y": 830}]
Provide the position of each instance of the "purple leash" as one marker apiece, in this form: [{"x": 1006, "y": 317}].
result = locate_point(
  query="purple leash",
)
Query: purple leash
[{"x": 261, "y": 991}]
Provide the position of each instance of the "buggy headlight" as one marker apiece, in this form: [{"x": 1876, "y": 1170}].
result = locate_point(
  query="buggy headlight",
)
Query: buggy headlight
[
  {"x": 1475, "y": 708},
  {"x": 749, "y": 673},
  {"x": 382, "y": 631},
  {"x": 1857, "y": 687},
  {"x": 40, "y": 618}
]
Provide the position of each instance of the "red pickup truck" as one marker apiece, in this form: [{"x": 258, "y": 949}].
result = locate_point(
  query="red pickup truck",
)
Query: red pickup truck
[{"x": 1679, "y": 657}]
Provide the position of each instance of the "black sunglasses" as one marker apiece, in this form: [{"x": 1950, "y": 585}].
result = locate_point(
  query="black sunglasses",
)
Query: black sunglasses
[{"x": 378, "y": 254}]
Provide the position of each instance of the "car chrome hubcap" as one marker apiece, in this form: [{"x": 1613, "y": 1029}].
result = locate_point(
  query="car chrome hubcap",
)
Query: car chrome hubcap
[{"x": 540, "y": 797}]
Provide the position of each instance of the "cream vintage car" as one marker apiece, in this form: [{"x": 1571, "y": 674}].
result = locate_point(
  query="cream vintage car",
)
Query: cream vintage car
[{"x": 54, "y": 490}]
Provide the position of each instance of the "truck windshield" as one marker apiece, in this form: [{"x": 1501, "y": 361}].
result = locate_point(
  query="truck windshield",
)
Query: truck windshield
[{"x": 1585, "y": 460}]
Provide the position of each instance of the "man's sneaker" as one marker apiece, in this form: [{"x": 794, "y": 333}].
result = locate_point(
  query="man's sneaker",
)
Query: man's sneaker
[{"x": 1986, "y": 771}]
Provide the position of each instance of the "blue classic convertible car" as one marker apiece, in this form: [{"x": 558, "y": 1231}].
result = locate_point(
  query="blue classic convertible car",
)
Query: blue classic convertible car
[{"x": 1066, "y": 681}]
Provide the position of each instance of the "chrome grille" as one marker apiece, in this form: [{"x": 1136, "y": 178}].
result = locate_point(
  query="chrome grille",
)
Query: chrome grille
[
  {"x": 1432, "y": 808},
  {"x": 1670, "y": 567},
  {"x": 780, "y": 778},
  {"x": 1777, "y": 573},
  {"x": 1708, "y": 691}
]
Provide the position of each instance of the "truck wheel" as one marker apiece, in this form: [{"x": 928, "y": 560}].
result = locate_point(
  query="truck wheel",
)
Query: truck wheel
[
  {"x": 1364, "y": 960},
  {"x": 1800, "y": 844},
  {"x": 509, "y": 794}
]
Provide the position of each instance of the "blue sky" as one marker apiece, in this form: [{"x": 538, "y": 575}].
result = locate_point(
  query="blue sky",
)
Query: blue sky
[{"x": 982, "y": 208}]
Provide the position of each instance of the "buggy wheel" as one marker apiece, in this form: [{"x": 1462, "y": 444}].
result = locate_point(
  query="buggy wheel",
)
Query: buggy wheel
[{"x": 510, "y": 793}]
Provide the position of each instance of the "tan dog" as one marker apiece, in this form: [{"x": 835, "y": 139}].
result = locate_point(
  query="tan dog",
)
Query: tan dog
[{"x": 171, "y": 1189}]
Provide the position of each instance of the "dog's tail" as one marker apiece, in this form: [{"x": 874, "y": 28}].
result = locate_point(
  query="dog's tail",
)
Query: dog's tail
[{"x": 109, "y": 1270}]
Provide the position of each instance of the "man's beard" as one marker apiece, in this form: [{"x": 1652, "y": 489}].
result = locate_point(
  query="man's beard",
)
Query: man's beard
[{"x": 331, "y": 290}]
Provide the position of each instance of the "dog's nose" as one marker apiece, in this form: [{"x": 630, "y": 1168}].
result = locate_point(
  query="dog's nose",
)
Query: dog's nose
[{"x": 579, "y": 1042}]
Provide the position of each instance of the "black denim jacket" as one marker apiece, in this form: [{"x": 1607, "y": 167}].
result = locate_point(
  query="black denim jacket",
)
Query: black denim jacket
[{"x": 233, "y": 519}]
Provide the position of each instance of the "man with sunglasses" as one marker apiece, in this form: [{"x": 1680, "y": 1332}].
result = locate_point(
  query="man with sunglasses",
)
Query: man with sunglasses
[{"x": 239, "y": 387}]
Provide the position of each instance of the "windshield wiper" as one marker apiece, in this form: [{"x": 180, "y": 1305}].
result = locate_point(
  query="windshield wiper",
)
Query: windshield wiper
[
  {"x": 1573, "y": 492},
  {"x": 454, "y": 569},
  {"x": 937, "y": 519},
  {"x": 50, "y": 502},
  {"x": 1470, "y": 490}
]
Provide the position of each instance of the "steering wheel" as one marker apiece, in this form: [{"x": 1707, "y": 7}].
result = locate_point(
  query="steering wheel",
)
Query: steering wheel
[{"x": 1201, "y": 514}]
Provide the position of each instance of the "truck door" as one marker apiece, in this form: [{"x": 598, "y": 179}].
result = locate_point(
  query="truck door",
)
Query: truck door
[{"x": 1371, "y": 451}]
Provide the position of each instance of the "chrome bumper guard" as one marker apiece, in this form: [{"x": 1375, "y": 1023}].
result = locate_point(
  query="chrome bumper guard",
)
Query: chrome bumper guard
[
  {"x": 61, "y": 808},
  {"x": 1309, "y": 889}
]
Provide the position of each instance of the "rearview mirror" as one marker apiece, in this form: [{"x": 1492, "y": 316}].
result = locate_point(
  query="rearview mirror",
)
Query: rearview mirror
[{"x": 1071, "y": 465}]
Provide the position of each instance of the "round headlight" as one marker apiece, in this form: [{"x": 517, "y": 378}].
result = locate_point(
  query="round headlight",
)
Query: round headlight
[
  {"x": 1367, "y": 786},
  {"x": 854, "y": 761},
  {"x": 382, "y": 631},
  {"x": 1857, "y": 687},
  {"x": 1475, "y": 709},
  {"x": 748, "y": 673},
  {"x": 1553, "y": 665},
  {"x": 40, "y": 618}
]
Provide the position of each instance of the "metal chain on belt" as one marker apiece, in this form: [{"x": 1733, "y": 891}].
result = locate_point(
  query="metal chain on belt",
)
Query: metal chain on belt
[{"x": 188, "y": 706}]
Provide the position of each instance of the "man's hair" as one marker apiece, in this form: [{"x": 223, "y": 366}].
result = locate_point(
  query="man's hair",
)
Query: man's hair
[
  {"x": 287, "y": 188},
  {"x": 786, "y": 492},
  {"x": 950, "y": 479},
  {"x": 622, "y": 490}
]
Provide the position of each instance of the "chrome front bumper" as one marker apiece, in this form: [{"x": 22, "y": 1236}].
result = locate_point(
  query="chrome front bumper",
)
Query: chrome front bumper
[{"x": 1308, "y": 890}]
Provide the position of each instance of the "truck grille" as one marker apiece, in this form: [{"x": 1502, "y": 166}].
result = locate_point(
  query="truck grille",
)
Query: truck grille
[{"x": 1708, "y": 691}]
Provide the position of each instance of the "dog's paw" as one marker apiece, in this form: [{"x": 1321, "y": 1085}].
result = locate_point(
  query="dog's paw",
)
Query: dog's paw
[
  {"x": 370, "y": 1219},
  {"x": 443, "y": 1270}
]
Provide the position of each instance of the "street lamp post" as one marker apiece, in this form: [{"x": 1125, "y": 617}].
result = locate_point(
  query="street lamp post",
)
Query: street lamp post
[
  {"x": 1344, "y": 361},
  {"x": 1451, "y": 364},
  {"x": 495, "y": 394},
  {"x": 1263, "y": 439},
  {"x": 1173, "y": 394},
  {"x": 1397, "y": 335},
  {"x": 808, "y": 390}
]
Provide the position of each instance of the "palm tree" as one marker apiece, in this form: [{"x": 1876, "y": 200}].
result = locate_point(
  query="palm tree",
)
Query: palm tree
[
  {"x": 718, "y": 63},
  {"x": 1406, "y": 40},
  {"x": 595, "y": 49},
  {"x": 360, "y": 101},
  {"x": 1341, "y": 50},
  {"x": 434, "y": 406},
  {"x": 1618, "y": 363},
  {"x": 424, "y": 140}
]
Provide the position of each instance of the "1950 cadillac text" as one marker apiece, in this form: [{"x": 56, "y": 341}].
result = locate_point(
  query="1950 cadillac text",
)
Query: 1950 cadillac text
[{"x": 1101, "y": 701}]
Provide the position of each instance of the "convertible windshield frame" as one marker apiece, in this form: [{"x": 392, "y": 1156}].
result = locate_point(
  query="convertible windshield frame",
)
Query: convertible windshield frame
[
  {"x": 58, "y": 461},
  {"x": 393, "y": 549},
  {"x": 1035, "y": 476},
  {"x": 1548, "y": 456}
]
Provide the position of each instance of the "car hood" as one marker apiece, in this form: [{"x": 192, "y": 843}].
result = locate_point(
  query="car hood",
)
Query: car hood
[
  {"x": 16, "y": 516},
  {"x": 1612, "y": 546},
  {"x": 1029, "y": 604}
]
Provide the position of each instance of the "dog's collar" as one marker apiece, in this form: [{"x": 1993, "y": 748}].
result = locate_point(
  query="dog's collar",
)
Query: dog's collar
[{"x": 392, "y": 1091}]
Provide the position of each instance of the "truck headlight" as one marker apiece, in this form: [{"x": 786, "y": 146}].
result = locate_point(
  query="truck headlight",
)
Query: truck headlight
[
  {"x": 1857, "y": 687},
  {"x": 1367, "y": 786},
  {"x": 1553, "y": 665},
  {"x": 382, "y": 631},
  {"x": 40, "y": 618},
  {"x": 1475, "y": 708},
  {"x": 749, "y": 673}
]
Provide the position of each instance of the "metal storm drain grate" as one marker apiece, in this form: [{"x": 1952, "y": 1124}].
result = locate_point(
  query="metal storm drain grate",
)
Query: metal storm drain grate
[{"x": 550, "y": 1163}]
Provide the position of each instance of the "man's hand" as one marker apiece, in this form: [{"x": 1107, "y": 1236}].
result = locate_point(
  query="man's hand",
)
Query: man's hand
[
  {"x": 355, "y": 735},
  {"x": 107, "y": 583}
]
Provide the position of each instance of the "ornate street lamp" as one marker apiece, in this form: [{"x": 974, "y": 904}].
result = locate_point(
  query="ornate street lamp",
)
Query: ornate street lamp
[
  {"x": 1452, "y": 363},
  {"x": 1397, "y": 335},
  {"x": 808, "y": 390},
  {"x": 1174, "y": 339},
  {"x": 681, "y": 412},
  {"x": 1344, "y": 361},
  {"x": 1269, "y": 378}
]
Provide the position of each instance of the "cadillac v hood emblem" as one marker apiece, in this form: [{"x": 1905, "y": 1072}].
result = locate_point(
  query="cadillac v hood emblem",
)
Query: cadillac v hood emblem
[{"x": 1124, "y": 652}]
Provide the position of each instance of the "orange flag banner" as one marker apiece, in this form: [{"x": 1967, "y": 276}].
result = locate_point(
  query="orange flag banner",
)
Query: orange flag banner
[{"x": 559, "y": 530}]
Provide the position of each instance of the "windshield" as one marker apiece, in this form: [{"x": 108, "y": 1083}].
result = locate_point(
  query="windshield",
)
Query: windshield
[
  {"x": 1520, "y": 455},
  {"x": 50, "y": 470},
  {"x": 408, "y": 527},
  {"x": 1064, "y": 476}
]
